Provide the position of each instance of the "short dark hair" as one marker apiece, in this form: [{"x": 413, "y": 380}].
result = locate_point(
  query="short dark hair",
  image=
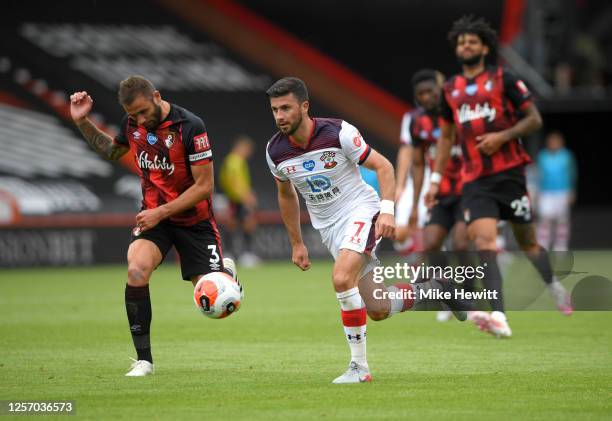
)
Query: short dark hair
[
  {"x": 133, "y": 86},
  {"x": 288, "y": 85},
  {"x": 469, "y": 24},
  {"x": 424, "y": 75}
]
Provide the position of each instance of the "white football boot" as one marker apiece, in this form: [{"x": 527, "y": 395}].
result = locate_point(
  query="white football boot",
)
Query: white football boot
[
  {"x": 498, "y": 325},
  {"x": 494, "y": 323},
  {"x": 355, "y": 374},
  {"x": 444, "y": 316},
  {"x": 140, "y": 368},
  {"x": 229, "y": 263},
  {"x": 562, "y": 297},
  {"x": 480, "y": 318}
]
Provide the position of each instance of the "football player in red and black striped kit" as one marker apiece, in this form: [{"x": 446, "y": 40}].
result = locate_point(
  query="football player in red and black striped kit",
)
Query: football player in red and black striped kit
[
  {"x": 424, "y": 130},
  {"x": 445, "y": 216},
  {"x": 174, "y": 158},
  {"x": 489, "y": 110}
]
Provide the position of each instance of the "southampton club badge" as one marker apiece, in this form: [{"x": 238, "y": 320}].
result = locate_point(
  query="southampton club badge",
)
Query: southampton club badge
[
  {"x": 328, "y": 159},
  {"x": 169, "y": 140}
]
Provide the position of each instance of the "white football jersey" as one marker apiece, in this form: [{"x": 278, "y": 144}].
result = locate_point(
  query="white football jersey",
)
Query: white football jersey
[{"x": 325, "y": 172}]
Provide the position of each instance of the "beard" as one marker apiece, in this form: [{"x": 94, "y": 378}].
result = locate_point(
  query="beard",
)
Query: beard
[
  {"x": 470, "y": 61},
  {"x": 154, "y": 122},
  {"x": 292, "y": 127}
]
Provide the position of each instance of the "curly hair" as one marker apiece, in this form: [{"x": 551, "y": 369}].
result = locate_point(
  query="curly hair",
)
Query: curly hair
[{"x": 469, "y": 24}]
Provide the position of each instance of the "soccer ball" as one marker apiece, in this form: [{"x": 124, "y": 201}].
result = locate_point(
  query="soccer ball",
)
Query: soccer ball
[{"x": 217, "y": 295}]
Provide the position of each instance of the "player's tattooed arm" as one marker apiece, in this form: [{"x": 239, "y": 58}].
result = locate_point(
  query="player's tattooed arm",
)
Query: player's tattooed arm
[
  {"x": 81, "y": 104},
  {"x": 100, "y": 141},
  {"x": 531, "y": 122}
]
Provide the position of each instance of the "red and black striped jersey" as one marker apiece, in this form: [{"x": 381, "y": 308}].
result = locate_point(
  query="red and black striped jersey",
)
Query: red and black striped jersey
[
  {"x": 488, "y": 102},
  {"x": 424, "y": 131},
  {"x": 164, "y": 158}
]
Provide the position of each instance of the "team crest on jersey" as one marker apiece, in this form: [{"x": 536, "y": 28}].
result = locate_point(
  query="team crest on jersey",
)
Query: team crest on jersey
[
  {"x": 169, "y": 140},
  {"x": 309, "y": 165},
  {"x": 329, "y": 159},
  {"x": 488, "y": 85},
  {"x": 151, "y": 138},
  {"x": 471, "y": 89}
]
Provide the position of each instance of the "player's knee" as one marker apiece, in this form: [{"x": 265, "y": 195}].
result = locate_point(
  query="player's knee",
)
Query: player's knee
[
  {"x": 342, "y": 281},
  {"x": 432, "y": 244},
  {"x": 138, "y": 275},
  {"x": 378, "y": 315},
  {"x": 485, "y": 242},
  {"x": 460, "y": 245}
]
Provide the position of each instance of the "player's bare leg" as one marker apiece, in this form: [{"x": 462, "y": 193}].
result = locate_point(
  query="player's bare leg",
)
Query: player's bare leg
[
  {"x": 525, "y": 235},
  {"x": 143, "y": 257},
  {"x": 345, "y": 278},
  {"x": 483, "y": 232}
]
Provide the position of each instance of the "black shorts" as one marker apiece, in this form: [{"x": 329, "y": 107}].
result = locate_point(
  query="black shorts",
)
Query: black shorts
[
  {"x": 501, "y": 196},
  {"x": 447, "y": 212},
  {"x": 198, "y": 246}
]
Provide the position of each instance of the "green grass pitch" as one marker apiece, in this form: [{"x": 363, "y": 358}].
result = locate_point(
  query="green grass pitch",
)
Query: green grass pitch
[{"x": 64, "y": 336}]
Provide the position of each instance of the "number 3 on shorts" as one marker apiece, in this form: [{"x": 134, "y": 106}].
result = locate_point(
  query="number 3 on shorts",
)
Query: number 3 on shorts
[{"x": 215, "y": 256}]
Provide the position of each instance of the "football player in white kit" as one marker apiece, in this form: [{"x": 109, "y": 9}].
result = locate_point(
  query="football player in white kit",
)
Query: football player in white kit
[{"x": 319, "y": 158}]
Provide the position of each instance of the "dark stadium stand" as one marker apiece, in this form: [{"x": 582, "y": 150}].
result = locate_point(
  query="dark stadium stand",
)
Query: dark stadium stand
[{"x": 219, "y": 69}]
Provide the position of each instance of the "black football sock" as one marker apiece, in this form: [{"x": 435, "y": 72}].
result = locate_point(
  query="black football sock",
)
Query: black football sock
[
  {"x": 492, "y": 279},
  {"x": 466, "y": 259},
  {"x": 138, "y": 308},
  {"x": 542, "y": 263}
]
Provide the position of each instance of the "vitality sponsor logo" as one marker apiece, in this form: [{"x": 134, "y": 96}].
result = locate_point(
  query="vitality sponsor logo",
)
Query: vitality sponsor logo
[
  {"x": 466, "y": 113},
  {"x": 156, "y": 164}
]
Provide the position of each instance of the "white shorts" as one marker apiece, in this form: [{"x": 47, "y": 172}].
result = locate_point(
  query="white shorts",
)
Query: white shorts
[
  {"x": 554, "y": 205},
  {"x": 404, "y": 205},
  {"x": 355, "y": 232}
]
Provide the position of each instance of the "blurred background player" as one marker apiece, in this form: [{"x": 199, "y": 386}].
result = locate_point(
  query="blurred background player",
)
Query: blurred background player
[
  {"x": 235, "y": 182},
  {"x": 557, "y": 175},
  {"x": 445, "y": 216},
  {"x": 174, "y": 158},
  {"x": 489, "y": 110},
  {"x": 319, "y": 157}
]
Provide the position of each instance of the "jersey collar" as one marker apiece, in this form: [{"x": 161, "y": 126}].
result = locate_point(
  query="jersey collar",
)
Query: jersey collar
[{"x": 297, "y": 145}]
